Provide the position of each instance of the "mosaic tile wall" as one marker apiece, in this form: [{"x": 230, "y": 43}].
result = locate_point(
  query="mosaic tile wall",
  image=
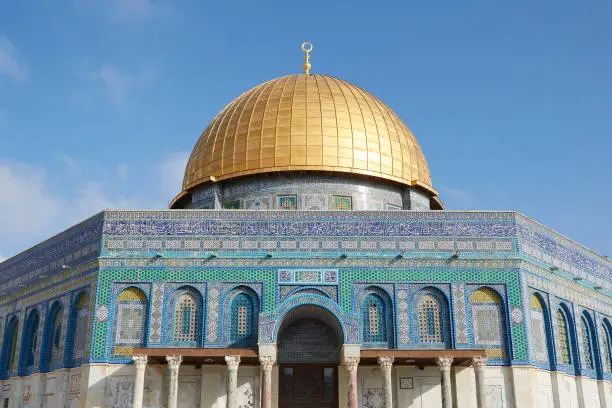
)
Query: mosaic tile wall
[
  {"x": 325, "y": 258},
  {"x": 307, "y": 192}
]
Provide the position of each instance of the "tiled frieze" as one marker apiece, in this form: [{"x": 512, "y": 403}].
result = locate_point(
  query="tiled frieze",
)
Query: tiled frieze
[
  {"x": 442, "y": 224},
  {"x": 71, "y": 247}
]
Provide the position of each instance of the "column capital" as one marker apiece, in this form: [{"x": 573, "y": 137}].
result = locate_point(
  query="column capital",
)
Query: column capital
[
  {"x": 232, "y": 362},
  {"x": 174, "y": 361},
  {"x": 140, "y": 361},
  {"x": 266, "y": 362},
  {"x": 444, "y": 362},
  {"x": 386, "y": 363},
  {"x": 479, "y": 362},
  {"x": 351, "y": 362}
]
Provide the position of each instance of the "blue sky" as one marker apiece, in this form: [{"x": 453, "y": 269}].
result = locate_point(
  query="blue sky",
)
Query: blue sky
[{"x": 102, "y": 100}]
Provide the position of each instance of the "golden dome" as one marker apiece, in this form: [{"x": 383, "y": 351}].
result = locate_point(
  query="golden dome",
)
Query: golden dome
[{"x": 307, "y": 122}]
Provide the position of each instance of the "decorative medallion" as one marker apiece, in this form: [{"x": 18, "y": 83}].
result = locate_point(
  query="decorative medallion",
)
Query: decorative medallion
[
  {"x": 516, "y": 315},
  {"x": 101, "y": 313}
]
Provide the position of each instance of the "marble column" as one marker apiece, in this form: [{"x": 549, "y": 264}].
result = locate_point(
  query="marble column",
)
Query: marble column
[
  {"x": 232, "y": 380},
  {"x": 174, "y": 362},
  {"x": 386, "y": 365},
  {"x": 447, "y": 393},
  {"x": 267, "y": 362},
  {"x": 351, "y": 364},
  {"x": 479, "y": 364},
  {"x": 140, "y": 362}
]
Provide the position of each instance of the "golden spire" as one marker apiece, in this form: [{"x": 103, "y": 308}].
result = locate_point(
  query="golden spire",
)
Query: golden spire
[{"x": 306, "y": 47}]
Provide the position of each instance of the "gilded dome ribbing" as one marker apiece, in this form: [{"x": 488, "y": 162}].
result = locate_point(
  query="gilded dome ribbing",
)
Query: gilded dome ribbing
[{"x": 307, "y": 122}]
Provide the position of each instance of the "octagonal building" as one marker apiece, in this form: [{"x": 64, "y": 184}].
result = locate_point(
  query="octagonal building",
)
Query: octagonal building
[{"x": 306, "y": 262}]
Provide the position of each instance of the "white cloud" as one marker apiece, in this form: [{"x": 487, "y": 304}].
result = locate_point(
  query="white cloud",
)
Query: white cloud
[
  {"x": 26, "y": 207},
  {"x": 9, "y": 63},
  {"x": 116, "y": 85},
  {"x": 93, "y": 199},
  {"x": 172, "y": 169},
  {"x": 30, "y": 211}
]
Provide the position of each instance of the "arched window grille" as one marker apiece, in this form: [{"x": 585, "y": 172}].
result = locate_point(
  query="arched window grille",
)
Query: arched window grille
[
  {"x": 586, "y": 340},
  {"x": 81, "y": 319},
  {"x": 539, "y": 344},
  {"x": 53, "y": 335},
  {"x": 374, "y": 319},
  {"x": 9, "y": 347},
  {"x": 243, "y": 320},
  {"x": 488, "y": 322},
  {"x": 564, "y": 348},
  {"x": 431, "y": 329},
  {"x": 130, "y": 321},
  {"x": 30, "y": 342},
  {"x": 186, "y": 318},
  {"x": 606, "y": 352}
]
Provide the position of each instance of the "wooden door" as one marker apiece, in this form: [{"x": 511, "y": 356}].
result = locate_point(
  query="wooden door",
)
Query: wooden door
[{"x": 303, "y": 386}]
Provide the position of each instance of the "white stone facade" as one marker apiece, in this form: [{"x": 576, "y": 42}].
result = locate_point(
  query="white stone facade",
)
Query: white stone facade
[{"x": 112, "y": 386}]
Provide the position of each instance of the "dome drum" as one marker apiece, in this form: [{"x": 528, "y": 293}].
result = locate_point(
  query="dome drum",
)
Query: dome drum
[{"x": 307, "y": 191}]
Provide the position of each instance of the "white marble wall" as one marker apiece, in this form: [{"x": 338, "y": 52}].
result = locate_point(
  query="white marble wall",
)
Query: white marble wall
[
  {"x": 60, "y": 388},
  {"x": 111, "y": 386}
]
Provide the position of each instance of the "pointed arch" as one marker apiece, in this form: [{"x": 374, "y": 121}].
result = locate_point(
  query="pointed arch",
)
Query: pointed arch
[
  {"x": 53, "y": 350},
  {"x": 606, "y": 346},
  {"x": 9, "y": 346},
  {"x": 243, "y": 305},
  {"x": 489, "y": 322},
  {"x": 376, "y": 326},
  {"x": 76, "y": 337},
  {"x": 433, "y": 324},
  {"x": 186, "y": 317},
  {"x": 587, "y": 342},
  {"x": 130, "y": 320},
  {"x": 540, "y": 337},
  {"x": 565, "y": 343},
  {"x": 30, "y": 346}
]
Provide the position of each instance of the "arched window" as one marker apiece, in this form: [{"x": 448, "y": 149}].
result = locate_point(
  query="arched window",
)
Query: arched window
[
  {"x": 431, "y": 326},
  {"x": 606, "y": 346},
  {"x": 81, "y": 319},
  {"x": 186, "y": 318},
  {"x": 243, "y": 325},
  {"x": 374, "y": 319},
  {"x": 539, "y": 338},
  {"x": 586, "y": 344},
  {"x": 53, "y": 336},
  {"x": 488, "y": 322},
  {"x": 131, "y": 317},
  {"x": 30, "y": 342},
  {"x": 9, "y": 347},
  {"x": 564, "y": 351}
]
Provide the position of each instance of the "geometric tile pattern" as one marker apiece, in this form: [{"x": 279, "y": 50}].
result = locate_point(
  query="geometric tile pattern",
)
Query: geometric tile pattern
[
  {"x": 155, "y": 322},
  {"x": 461, "y": 332},
  {"x": 329, "y": 258}
]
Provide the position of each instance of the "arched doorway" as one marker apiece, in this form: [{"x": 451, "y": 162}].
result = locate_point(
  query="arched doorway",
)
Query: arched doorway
[{"x": 308, "y": 347}]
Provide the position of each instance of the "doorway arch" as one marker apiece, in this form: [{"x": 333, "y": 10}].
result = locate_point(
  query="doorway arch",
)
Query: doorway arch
[
  {"x": 309, "y": 334},
  {"x": 309, "y": 341}
]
